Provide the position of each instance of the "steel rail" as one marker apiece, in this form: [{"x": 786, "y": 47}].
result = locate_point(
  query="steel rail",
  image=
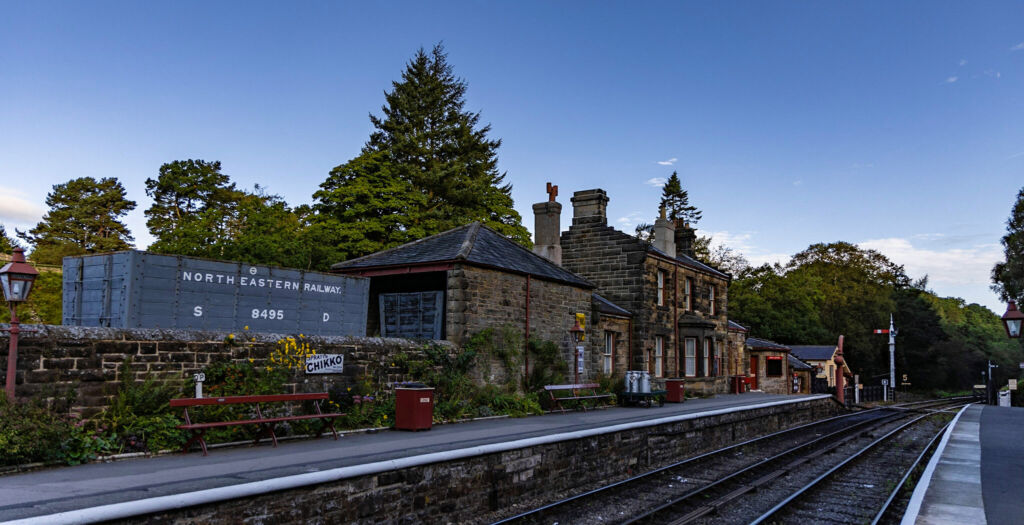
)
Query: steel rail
[
  {"x": 774, "y": 510},
  {"x": 906, "y": 476},
  {"x": 659, "y": 470},
  {"x": 709, "y": 507}
]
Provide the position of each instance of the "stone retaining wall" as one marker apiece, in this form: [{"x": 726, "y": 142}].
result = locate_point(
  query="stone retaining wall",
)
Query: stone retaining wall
[
  {"x": 55, "y": 359},
  {"x": 484, "y": 488}
]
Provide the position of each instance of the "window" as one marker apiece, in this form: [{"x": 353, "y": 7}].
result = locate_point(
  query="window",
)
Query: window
[
  {"x": 718, "y": 358},
  {"x": 688, "y": 294},
  {"x": 659, "y": 355},
  {"x": 661, "y": 288},
  {"x": 707, "y": 356},
  {"x": 711, "y": 296},
  {"x": 609, "y": 347},
  {"x": 691, "y": 357},
  {"x": 773, "y": 366}
]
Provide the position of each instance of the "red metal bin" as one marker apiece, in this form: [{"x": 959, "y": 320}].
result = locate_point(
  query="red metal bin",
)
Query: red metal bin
[
  {"x": 676, "y": 391},
  {"x": 414, "y": 408}
]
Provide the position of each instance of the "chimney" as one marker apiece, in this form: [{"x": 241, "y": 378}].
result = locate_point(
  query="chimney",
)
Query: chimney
[
  {"x": 547, "y": 218},
  {"x": 686, "y": 239},
  {"x": 589, "y": 206},
  {"x": 665, "y": 234}
]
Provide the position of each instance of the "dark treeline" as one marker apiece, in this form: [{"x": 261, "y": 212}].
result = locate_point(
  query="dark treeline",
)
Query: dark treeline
[{"x": 838, "y": 288}]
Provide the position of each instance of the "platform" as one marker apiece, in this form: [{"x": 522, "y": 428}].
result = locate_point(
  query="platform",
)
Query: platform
[
  {"x": 977, "y": 474},
  {"x": 44, "y": 493}
]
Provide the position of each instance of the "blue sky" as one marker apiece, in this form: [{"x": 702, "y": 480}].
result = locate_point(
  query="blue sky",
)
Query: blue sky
[{"x": 897, "y": 127}]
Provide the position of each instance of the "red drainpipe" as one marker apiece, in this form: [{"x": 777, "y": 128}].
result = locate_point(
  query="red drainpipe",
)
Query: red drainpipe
[{"x": 526, "y": 341}]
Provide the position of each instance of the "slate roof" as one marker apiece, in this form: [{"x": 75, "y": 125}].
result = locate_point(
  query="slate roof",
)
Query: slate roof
[
  {"x": 733, "y": 325},
  {"x": 764, "y": 344},
  {"x": 796, "y": 364},
  {"x": 689, "y": 261},
  {"x": 473, "y": 243},
  {"x": 609, "y": 308},
  {"x": 814, "y": 352}
]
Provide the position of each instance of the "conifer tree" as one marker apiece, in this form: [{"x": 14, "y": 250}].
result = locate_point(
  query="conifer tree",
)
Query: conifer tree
[
  {"x": 1008, "y": 276},
  {"x": 676, "y": 201},
  {"x": 84, "y": 217},
  {"x": 7, "y": 244},
  {"x": 428, "y": 167}
]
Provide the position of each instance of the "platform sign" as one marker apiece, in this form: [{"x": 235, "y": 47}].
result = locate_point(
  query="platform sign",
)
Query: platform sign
[
  {"x": 325, "y": 364},
  {"x": 1013, "y": 384},
  {"x": 579, "y": 359},
  {"x": 885, "y": 382}
]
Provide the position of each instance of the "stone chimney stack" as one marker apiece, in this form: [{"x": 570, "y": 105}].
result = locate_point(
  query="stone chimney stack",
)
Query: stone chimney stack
[
  {"x": 686, "y": 240},
  {"x": 665, "y": 234},
  {"x": 590, "y": 206},
  {"x": 547, "y": 218}
]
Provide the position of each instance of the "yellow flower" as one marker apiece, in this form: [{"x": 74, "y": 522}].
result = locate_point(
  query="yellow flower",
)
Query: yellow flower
[
  {"x": 300, "y": 335},
  {"x": 349, "y": 389},
  {"x": 268, "y": 369},
  {"x": 231, "y": 336},
  {"x": 246, "y": 327},
  {"x": 251, "y": 360},
  {"x": 385, "y": 416}
]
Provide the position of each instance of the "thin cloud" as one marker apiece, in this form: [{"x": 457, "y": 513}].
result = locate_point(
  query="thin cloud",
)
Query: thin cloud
[
  {"x": 16, "y": 209},
  {"x": 992, "y": 73},
  {"x": 1018, "y": 47},
  {"x": 963, "y": 62},
  {"x": 1015, "y": 155},
  {"x": 630, "y": 221},
  {"x": 657, "y": 182},
  {"x": 668, "y": 162},
  {"x": 950, "y": 80},
  {"x": 798, "y": 182}
]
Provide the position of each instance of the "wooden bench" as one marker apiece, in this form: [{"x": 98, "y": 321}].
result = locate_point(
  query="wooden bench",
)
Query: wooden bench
[
  {"x": 266, "y": 423},
  {"x": 579, "y": 392}
]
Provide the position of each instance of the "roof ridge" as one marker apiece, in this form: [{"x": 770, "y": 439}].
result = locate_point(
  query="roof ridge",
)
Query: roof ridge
[
  {"x": 470, "y": 241},
  {"x": 400, "y": 246},
  {"x": 541, "y": 258}
]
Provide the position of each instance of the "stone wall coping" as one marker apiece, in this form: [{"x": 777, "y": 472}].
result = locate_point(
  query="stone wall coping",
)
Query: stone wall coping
[{"x": 98, "y": 333}]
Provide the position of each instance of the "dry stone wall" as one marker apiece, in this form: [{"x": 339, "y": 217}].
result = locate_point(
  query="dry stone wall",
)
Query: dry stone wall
[{"x": 53, "y": 360}]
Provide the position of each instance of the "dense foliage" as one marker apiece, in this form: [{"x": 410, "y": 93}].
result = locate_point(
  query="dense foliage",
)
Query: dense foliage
[
  {"x": 84, "y": 217},
  {"x": 44, "y": 301},
  {"x": 7, "y": 244},
  {"x": 839, "y": 289},
  {"x": 427, "y": 167},
  {"x": 1008, "y": 275}
]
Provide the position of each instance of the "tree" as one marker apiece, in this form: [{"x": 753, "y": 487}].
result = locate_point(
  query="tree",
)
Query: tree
[
  {"x": 1008, "y": 276},
  {"x": 676, "y": 201},
  {"x": 193, "y": 204},
  {"x": 84, "y": 217},
  {"x": 7, "y": 244},
  {"x": 432, "y": 161}
]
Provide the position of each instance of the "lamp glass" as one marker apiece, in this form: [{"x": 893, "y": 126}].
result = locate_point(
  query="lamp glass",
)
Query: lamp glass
[
  {"x": 1013, "y": 327},
  {"x": 16, "y": 286}
]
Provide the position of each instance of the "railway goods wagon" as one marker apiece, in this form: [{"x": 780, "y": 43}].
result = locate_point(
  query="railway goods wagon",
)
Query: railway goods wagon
[{"x": 137, "y": 289}]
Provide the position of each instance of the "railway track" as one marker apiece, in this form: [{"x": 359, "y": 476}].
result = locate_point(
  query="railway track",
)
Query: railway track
[{"x": 739, "y": 482}]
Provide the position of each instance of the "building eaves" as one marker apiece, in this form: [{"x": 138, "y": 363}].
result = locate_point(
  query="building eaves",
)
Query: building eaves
[{"x": 607, "y": 307}]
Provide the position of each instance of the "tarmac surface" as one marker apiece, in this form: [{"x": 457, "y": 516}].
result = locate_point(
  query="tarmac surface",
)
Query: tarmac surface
[
  {"x": 978, "y": 477},
  {"x": 45, "y": 492}
]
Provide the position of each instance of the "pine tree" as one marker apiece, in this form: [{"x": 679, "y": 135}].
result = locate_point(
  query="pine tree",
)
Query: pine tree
[
  {"x": 1008, "y": 276},
  {"x": 676, "y": 201},
  {"x": 84, "y": 217},
  {"x": 438, "y": 151},
  {"x": 193, "y": 204},
  {"x": 7, "y": 244}
]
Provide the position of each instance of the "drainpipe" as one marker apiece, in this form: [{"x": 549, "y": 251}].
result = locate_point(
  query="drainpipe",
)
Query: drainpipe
[
  {"x": 526, "y": 339},
  {"x": 675, "y": 314}
]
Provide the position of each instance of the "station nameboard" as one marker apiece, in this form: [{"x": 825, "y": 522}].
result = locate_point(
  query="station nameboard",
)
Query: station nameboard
[{"x": 135, "y": 289}]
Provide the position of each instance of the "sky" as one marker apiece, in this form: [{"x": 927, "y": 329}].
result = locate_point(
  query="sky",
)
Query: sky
[{"x": 898, "y": 126}]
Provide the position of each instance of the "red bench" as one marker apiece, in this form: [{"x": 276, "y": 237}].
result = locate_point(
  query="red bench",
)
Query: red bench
[
  {"x": 266, "y": 423},
  {"x": 577, "y": 392}
]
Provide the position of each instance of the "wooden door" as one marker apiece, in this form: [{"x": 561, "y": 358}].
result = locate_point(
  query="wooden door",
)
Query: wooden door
[{"x": 753, "y": 372}]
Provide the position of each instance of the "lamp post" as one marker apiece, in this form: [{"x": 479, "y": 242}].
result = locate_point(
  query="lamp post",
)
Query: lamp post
[
  {"x": 16, "y": 278},
  {"x": 1012, "y": 320},
  {"x": 577, "y": 335}
]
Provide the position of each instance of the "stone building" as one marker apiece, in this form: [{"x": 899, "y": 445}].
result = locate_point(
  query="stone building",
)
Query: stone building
[
  {"x": 802, "y": 373},
  {"x": 822, "y": 358},
  {"x": 769, "y": 366},
  {"x": 678, "y": 305},
  {"x": 454, "y": 284}
]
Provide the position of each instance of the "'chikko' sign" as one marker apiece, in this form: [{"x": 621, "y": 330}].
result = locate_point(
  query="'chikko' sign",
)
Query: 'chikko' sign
[{"x": 325, "y": 364}]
